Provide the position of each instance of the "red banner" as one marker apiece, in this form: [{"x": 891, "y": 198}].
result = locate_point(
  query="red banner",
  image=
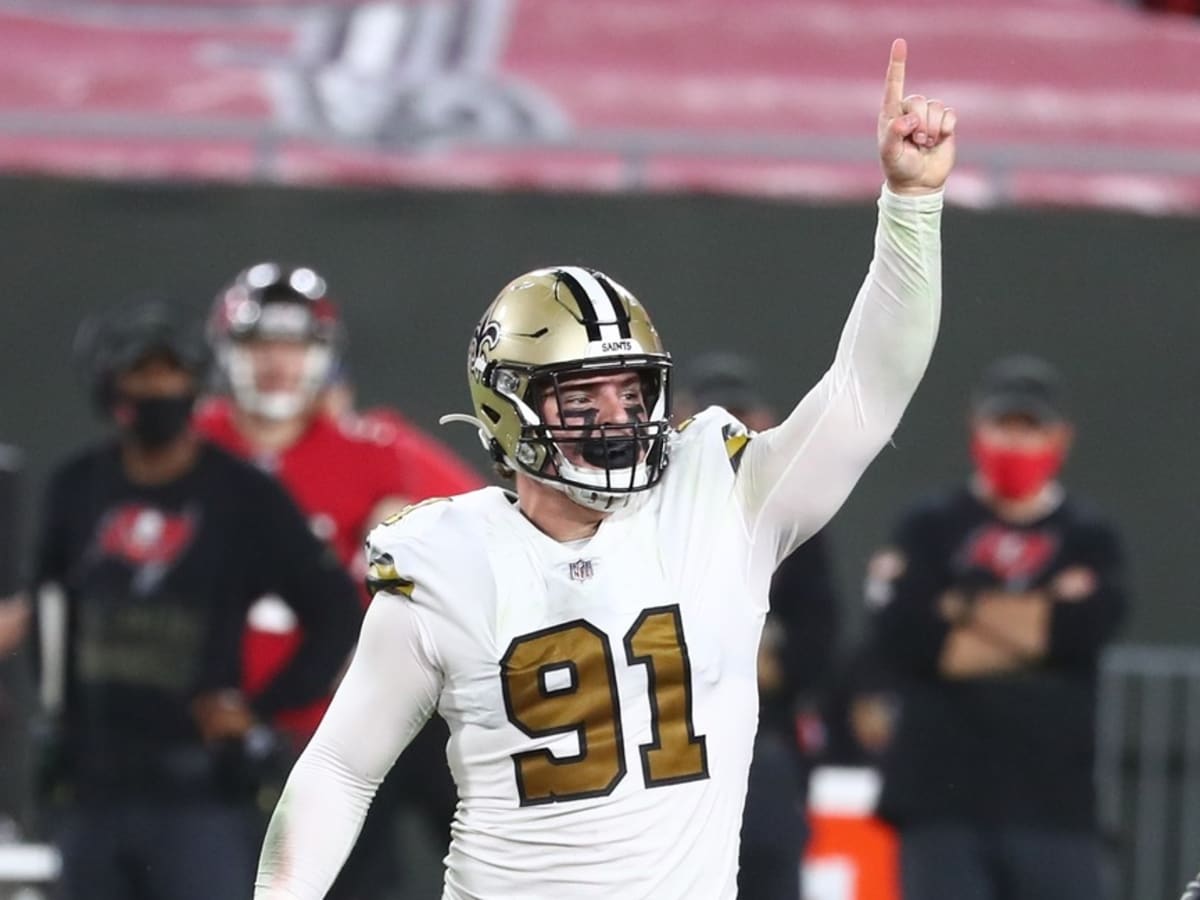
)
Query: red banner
[{"x": 1076, "y": 102}]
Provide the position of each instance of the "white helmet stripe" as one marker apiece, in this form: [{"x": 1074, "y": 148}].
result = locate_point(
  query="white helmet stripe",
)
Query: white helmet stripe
[{"x": 606, "y": 312}]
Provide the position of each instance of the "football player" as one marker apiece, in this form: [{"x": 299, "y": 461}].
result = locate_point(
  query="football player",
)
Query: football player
[
  {"x": 591, "y": 637},
  {"x": 278, "y": 337}
]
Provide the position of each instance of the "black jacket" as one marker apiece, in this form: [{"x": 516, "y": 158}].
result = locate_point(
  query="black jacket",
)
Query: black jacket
[
  {"x": 158, "y": 581},
  {"x": 1013, "y": 749}
]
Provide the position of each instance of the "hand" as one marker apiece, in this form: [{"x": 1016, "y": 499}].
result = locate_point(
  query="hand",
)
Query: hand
[
  {"x": 14, "y": 622},
  {"x": 1074, "y": 584},
  {"x": 916, "y": 136},
  {"x": 222, "y": 715},
  {"x": 955, "y": 607}
]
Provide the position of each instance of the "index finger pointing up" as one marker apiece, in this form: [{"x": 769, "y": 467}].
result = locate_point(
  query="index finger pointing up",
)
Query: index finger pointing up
[{"x": 893, "y": 87}]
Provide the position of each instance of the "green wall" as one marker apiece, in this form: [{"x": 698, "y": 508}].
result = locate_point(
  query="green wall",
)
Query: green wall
[{"x": 1111, "y": 298}]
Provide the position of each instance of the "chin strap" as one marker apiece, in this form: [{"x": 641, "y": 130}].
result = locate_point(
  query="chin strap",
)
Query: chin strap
[
  {"x": 460, "y": 417},
  {"x": 484, "y": 438}
]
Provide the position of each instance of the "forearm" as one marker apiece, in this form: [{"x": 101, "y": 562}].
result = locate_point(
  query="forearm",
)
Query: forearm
[
  {"x": 308, "y": 676},
  {"x": 1089, "y": 608},
  {"x": 801, "y": 471},
  {"x": 330, "y": 623},
  {"x": 1004, "y": 634},
  {"x": 313, "y": 828}
]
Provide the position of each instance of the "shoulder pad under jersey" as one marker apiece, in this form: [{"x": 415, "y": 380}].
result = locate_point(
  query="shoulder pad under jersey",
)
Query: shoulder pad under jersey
[
  {"x": 382, "y": 573},
  {"x": 703, "y": 426}
]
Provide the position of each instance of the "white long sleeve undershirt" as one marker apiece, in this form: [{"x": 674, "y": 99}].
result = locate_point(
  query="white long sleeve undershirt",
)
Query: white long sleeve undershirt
[{"x": 794, "y": 477}]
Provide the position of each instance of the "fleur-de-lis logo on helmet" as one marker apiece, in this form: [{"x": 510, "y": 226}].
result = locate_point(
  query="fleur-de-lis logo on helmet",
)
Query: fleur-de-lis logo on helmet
[{"x": 486, "y": 337}]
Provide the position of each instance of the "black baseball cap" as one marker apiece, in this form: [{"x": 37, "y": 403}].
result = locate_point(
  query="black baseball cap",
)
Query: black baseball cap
[
  {"x": 115, "y": 341},
  {"x": 1020, "y": 385}
]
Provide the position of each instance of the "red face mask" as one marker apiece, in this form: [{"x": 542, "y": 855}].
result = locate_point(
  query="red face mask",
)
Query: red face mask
[{"x": 1015, "y": 474}]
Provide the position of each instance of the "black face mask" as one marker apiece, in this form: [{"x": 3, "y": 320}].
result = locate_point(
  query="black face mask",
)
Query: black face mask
[{"x": 157, "y": 421}]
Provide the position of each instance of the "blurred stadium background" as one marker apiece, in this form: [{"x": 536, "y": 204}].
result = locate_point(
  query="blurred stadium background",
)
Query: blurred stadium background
[{"x": 718, "y": 158}]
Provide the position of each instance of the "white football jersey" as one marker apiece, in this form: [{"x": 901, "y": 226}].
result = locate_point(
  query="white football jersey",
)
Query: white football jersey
[{"x": 601, "y": 698}]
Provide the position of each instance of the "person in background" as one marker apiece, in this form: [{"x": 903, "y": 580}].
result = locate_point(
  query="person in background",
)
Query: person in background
[
  {"x": 795, "y": 659},
  {"x": 992, "y": 603},
  {"x": 160, "y": 542},
  {"x": 439, "y": 467},
  {"x": 279, "y": 340}
]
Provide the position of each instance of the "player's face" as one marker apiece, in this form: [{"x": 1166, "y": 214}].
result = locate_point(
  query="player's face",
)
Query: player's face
[
  {"x": 581, "y": 405},
  {"x": 279, "y": 365},
  {"x": 1023, "y": 433}
]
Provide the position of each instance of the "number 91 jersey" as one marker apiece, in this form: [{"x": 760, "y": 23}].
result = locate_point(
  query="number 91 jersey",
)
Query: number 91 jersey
[{"x": 601, "y": 695}]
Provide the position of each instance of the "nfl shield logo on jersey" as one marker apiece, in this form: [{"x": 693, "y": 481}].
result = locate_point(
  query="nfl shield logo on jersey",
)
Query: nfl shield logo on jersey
[{"x": 581, "y": 570}]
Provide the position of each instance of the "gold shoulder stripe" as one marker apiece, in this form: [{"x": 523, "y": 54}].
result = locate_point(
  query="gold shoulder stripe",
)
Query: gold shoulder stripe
[
  {"x": 401, "y": 587},
  {"x": 735, "y": 445},
  {"x": 685, "y": 423},
  {"x": 396, "y": 517},
  {"x": 383, "y": 577}
]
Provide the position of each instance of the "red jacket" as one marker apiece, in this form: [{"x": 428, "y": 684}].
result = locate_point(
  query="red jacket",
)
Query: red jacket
[{"x": 337, "y": 472}]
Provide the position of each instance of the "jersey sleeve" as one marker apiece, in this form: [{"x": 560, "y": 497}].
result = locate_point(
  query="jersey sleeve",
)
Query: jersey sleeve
[
  {"x": 390, "y": 690},
  {"x": 63, "y": 500},
  {"x": 1080, "y": 627},
  {"x": 794, "y": 477},
  {"x": 293, "y": 563}
]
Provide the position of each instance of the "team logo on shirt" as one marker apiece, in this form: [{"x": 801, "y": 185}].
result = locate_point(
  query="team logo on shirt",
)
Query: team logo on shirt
[
  {"x": 147, "y": 538},
  {"x": 581, "y": 570},
  {"x": 1012, "y": 556}
]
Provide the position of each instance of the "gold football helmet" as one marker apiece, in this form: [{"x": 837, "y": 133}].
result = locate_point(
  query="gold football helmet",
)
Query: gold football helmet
[{"x": 546, "y": 327}]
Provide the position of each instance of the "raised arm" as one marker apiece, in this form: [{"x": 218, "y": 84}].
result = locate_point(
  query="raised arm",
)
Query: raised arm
[{"x": 794, "y": 477}]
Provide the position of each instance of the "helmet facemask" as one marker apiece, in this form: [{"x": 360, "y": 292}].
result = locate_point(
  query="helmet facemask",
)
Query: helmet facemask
[
  {"x": 545, "y": 330},
  {"x": 238, "y": 363},
  {"x": 270, "y": 303},
  {"x": 604, "y": 465}
]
